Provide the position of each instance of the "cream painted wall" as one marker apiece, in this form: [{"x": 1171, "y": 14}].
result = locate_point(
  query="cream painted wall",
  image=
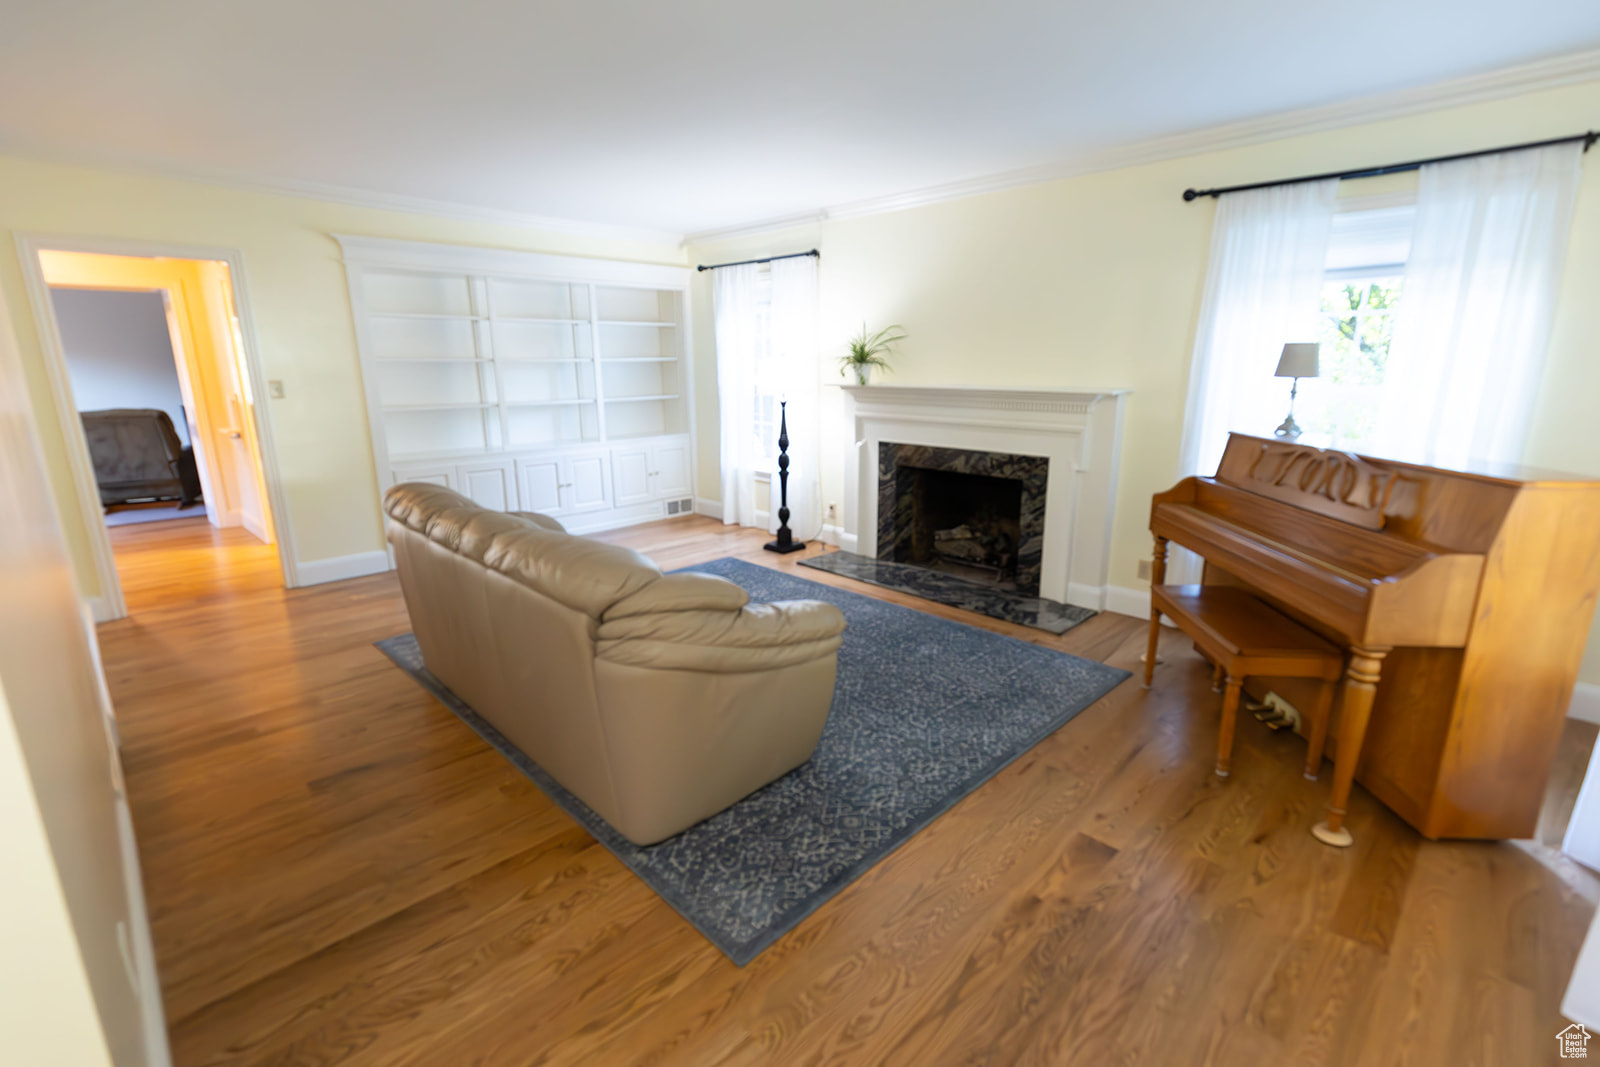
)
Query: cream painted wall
[
  {"x": 47, "y": 1010},
  {"x": 1096, "y": 281},
  {"x": 296, "y": 288},
  {"x": 71, "y": 905}
]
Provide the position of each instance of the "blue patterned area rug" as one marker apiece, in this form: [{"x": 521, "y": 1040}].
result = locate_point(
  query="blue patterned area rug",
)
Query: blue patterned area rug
[{"x": 925, "y": 711}]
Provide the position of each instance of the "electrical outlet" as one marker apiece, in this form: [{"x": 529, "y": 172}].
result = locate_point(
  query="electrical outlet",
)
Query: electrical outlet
[
  {"x": 833, "y": 512},
  {"x": 1144, "y": 569},
  {"x": 275, "y": 389}
]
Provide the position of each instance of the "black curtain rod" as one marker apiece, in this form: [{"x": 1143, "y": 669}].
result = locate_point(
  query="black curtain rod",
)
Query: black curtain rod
[
  {"x": 769, "y": 259},
  {"x": 1588, "y": 140}
]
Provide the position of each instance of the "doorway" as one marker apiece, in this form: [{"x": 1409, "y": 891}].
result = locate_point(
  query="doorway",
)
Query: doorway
[{"x": 152, "y": 367}]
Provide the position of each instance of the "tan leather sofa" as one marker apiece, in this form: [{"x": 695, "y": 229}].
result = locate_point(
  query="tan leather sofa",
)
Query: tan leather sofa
[{"x": 657, "y": 700}]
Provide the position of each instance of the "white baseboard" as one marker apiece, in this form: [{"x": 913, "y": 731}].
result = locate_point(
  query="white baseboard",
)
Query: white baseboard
[
  {"x": 617, "y": 518},
  {"x": 1121, "y": 600},
  {"x": 100, "y": 609},
  {"x": 1585, "y": 706},
  {"x": 250, "y": 523},
  {"x": 1092, "y": 597},
  {"x": 830, "y": 534},
  {"x": 339, "y": 568}
]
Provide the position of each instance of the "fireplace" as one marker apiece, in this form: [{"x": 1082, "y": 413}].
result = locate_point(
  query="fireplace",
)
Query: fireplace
[
  {"x": 1072, "y": 440},
  {"x": 976, "y": 514}
]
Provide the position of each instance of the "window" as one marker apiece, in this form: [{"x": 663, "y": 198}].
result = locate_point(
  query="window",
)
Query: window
[
  {"x": 1357, "y": 324},
  {"x": 764, "y": 423},
  {"x": 766, "y": 322},
  {"x": 1362, "y": 293}
]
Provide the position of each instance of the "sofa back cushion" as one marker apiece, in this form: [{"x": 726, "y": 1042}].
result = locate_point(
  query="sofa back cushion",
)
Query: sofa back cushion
[{"x": 581, "y": 574}]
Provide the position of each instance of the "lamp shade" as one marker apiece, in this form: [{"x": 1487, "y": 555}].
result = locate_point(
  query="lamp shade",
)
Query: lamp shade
[{"x": 1299, "y": 360}]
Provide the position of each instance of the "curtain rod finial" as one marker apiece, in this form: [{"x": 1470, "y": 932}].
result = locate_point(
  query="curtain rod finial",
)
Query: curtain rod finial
[{"x": 1189, "y": 194}]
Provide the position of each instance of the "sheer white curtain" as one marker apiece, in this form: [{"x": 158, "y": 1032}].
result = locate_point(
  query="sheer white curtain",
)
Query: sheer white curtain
[
  {"x": 736, "y": 298},
  {"x": 1263, "y": 289},
  {"x": 794, "y": 361},
  {"x": 1480, "y": 289}
]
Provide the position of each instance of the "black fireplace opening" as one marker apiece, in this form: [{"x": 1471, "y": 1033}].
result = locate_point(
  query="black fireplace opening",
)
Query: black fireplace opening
[
  {"x": 978, "y": 515},
  {"x": 961, "y": 523}
]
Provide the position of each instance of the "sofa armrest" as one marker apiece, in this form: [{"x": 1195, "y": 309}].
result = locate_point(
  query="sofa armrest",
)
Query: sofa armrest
[{"x": 756, "y": 637}]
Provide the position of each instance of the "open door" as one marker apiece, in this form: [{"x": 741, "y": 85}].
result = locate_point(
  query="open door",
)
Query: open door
[
  {"x": 209, "y": 350},
  {"x": 228, "y": 403}
]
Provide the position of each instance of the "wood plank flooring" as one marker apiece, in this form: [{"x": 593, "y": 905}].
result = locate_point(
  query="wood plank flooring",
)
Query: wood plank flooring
[{"x": 340, "y": 872}]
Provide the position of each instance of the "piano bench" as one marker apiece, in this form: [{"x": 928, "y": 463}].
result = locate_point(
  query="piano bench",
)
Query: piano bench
[{"x": 1245, "y": 636}]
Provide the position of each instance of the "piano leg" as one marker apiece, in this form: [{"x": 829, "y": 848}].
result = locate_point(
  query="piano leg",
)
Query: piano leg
[
  {"x": 1360, "y": 688},
  {"x": 1158, "y": 576},
  {"x": 1317, "y": 737},
  {"x": 1230, "y": 714},
  {"x": 1150, "y": 648}
]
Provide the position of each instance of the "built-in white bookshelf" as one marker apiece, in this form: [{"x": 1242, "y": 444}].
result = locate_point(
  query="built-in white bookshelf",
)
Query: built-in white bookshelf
[{"x": 481, "y": 365}]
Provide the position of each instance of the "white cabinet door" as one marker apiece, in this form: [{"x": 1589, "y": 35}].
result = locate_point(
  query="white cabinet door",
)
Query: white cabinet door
[
  {"x": 489, "y": 484},
  {"x": 669, "y": 466},
  {"x": 445, "y": 476},
  {"x": 630, "y": 475},
  {"x": 540, "y": 482},
  {"x": 586, "y": 483}
]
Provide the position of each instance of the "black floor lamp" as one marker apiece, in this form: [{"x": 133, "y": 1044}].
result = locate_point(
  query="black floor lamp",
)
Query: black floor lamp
[{"x": 784, "y": 541}]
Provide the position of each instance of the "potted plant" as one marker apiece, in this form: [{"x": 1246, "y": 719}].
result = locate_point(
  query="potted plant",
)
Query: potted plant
[{"x": 867, "y": 352}]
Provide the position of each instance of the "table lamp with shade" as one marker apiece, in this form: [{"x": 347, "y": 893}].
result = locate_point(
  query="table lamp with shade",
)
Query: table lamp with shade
[{"x": 1299, "y": 360}]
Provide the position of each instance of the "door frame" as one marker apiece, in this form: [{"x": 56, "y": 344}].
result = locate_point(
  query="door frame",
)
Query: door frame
[
  {"x": 178, "y": 309},
  {"x": 110, "y": 603}
]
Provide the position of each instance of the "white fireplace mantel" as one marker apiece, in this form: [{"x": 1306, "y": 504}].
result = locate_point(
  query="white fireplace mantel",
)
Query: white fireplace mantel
[{"x": 1078, "y": 431}]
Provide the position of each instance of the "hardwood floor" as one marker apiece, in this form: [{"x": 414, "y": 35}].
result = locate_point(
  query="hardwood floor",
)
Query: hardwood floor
[{"x": 340, "y": 872}]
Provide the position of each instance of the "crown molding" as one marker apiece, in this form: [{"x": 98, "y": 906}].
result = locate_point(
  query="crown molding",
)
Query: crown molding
[
  {"x": 345, "y": 195},
  {"x": 465, "y": 259},
  {"x": 782, "y": 222},
  {"x": 1552, "y": 73}
]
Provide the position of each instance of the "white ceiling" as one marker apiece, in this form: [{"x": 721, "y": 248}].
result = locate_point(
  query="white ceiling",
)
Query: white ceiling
[{"x": 697, "y": 114}]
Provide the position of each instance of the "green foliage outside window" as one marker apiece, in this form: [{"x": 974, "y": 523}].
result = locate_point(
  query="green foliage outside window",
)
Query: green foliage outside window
[{"x": 1357, "y": 327}]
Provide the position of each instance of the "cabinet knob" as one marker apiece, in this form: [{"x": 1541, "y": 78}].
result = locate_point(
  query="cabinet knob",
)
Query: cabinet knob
[
  {"x": 563, "y": 485},
  {"x": 655, "y": 474}
]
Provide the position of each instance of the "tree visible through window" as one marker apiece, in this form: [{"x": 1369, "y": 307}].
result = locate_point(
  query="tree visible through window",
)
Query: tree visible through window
[
  {"x": 1362, "y": 293},
  {"x": 1357, "y": 324}
]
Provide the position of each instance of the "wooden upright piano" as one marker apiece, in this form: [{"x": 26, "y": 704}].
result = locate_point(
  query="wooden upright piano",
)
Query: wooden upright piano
[{"x": 1464, "y": 599}]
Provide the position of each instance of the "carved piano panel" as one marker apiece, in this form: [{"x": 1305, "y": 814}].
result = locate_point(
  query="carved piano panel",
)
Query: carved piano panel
[{"x": 1337, "y": 484}]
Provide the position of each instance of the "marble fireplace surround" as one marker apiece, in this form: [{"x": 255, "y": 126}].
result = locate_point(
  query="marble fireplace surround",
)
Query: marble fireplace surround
[
  {"x": 1031, "y": 472},
  {"x": 1079, "y": 432}
]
